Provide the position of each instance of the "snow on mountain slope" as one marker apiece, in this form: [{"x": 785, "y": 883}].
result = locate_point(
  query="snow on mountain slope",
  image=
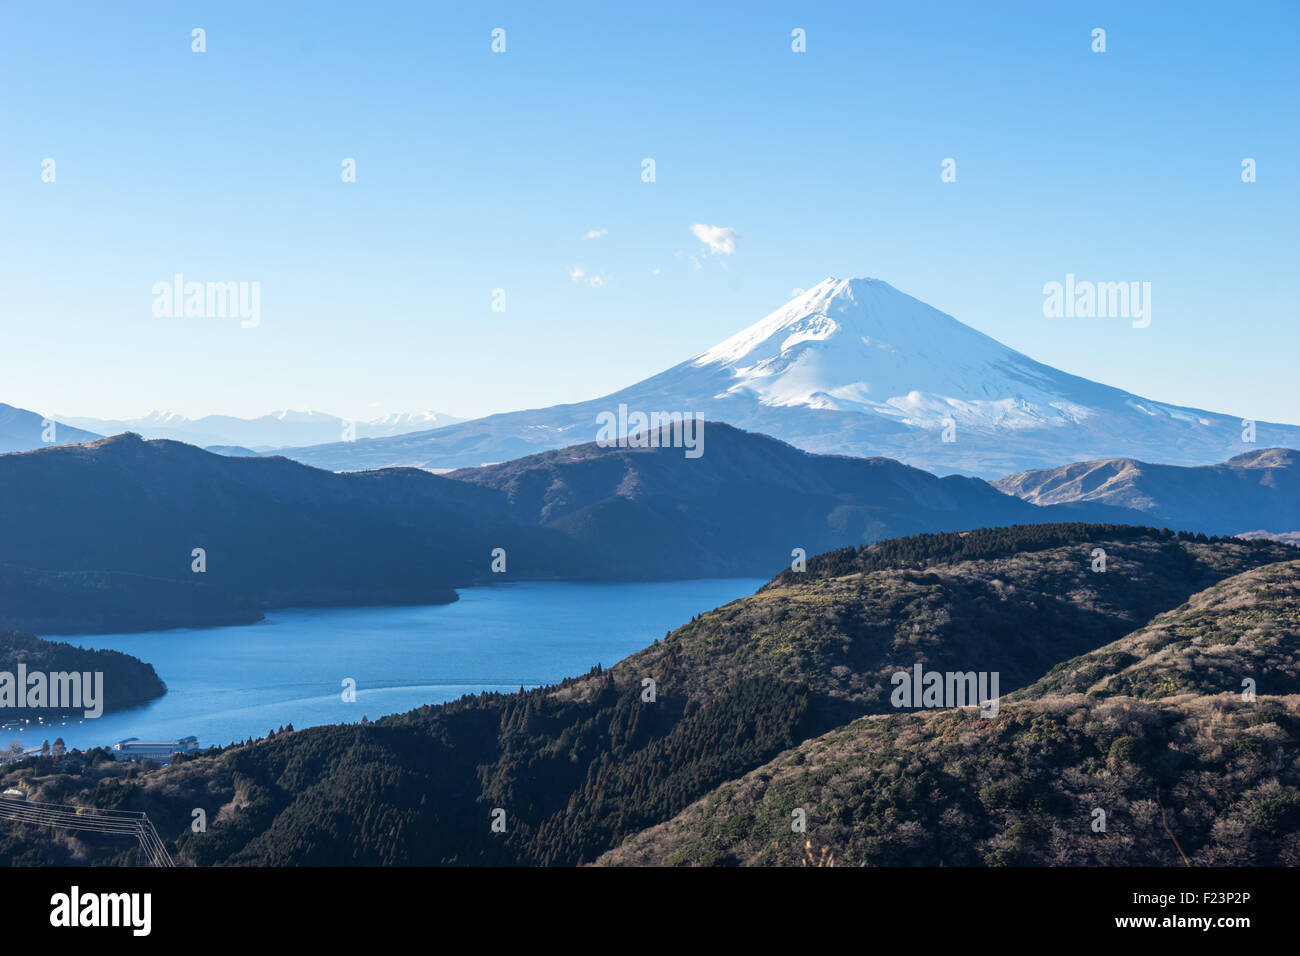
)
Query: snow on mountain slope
[
  {"x": 859, "y": 368},
  {"x": 861, "y": 345},
  {"x": 285, "y": 428}
]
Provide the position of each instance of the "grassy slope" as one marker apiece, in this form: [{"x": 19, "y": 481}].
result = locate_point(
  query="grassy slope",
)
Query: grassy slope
[
  {"x": 1018, "y": 612},
  {"x": 1154, "y": 718}
]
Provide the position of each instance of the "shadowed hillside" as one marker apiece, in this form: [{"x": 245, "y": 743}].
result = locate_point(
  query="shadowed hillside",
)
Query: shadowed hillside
[
  {"x": 744, "y": 504},
  {"x": 86, "y": 530}
]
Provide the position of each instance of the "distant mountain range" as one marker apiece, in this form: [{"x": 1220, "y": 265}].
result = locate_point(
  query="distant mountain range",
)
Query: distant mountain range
[
  {"x": 1255, "y": 491},
  {"x": 857, "y": 367},
  {"x": 282, "y": 429},
  {"x": 99, "y": 536},
  {"x": 21, "y": 430}
]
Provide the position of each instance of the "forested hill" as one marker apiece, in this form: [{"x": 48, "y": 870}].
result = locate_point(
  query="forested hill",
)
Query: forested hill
[
  {"x": 744, "y": 504},
  {"x": 1244, "y": 628},
  {"x": 128, "y": 681},
  {"x": 86, "y": 529},
  {"x": 1015, "y": 600},
  {"x": 579, "y": 767},
  {"x": 1147, "y": 751},
  {"x": 923, "y": 550}
]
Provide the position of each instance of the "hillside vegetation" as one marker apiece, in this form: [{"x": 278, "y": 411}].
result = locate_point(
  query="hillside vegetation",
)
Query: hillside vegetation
[
  {"x": 1150, "y": 730},
  {"x": 956, "y": 789},
  {"x": 1244, "y": 628},
  {"x": 128, "y": 681},
  {"x": 583, "y": 766}
]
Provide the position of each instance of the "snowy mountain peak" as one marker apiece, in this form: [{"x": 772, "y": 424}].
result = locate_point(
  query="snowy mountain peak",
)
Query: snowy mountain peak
[
  {"x": 861, "y": 345},
  {"x": 840, "y": 309}
]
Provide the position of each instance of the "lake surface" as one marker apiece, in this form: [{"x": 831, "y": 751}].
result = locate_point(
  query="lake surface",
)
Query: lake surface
[{"x": 231, "y": 683}]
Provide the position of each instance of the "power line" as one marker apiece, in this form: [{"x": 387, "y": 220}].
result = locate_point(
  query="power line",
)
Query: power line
[{"x": 134, "y": 822}]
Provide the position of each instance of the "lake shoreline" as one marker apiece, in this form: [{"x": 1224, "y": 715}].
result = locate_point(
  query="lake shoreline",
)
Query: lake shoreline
[
  {"x": 239, "y": 618},
  {"x": 225, "y": 684}
]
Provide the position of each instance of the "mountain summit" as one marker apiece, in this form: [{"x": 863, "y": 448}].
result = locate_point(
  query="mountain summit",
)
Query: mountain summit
[
  {"x": 854, "y": 366},
  {"x": 860, "y": 345}
]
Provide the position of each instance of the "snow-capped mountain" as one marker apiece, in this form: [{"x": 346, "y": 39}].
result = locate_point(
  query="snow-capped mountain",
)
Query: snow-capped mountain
[
  {"x": 399, "y": 423},
  {"x": 857, "y": 367},
  {"x": 286, "y": 428},
  {"x": 862, "y": 346}
]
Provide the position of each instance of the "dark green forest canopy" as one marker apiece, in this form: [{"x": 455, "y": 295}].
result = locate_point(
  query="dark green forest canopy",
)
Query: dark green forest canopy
[
  {"x": 127, "y": 682},
  {"x": 924, "y": 550}
]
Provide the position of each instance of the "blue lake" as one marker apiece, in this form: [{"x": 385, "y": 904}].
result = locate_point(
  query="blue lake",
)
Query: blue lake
[{"x": 231, "y": 683}]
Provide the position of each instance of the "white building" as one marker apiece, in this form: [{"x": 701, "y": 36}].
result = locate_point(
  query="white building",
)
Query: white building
[{"x": 133, "y": 748}]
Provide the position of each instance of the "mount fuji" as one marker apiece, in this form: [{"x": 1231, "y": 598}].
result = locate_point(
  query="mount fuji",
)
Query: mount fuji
[{"x": 856, "y": 367}]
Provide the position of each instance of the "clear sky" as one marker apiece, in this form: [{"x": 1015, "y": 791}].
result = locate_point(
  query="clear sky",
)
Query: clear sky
[{"x": 478, "y": 171}]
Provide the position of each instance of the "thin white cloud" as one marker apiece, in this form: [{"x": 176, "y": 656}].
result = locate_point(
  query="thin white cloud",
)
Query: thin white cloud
[
  {"x": 721, "y": 240},
  {"x": 579, "y": 274},
  {"x": 596, "y": 234}
]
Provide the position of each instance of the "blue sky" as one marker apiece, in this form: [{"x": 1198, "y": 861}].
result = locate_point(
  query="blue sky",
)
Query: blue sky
[{"x": 478, "y": 171}]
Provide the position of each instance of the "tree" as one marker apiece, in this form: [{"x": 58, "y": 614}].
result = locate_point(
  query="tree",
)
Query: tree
[
  {"x": 60, "y": 748},
  {"x": 45, "y": 748}
]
